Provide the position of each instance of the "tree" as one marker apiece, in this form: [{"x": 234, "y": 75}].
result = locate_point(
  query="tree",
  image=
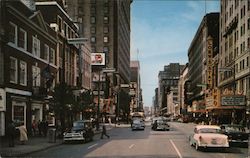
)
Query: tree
[
  {"x": 63, "y": 97},
  {"x": 124, "y": 102}
]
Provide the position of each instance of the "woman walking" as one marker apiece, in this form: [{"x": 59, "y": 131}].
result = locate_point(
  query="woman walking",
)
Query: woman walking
[{"x": 23, "y": 134}]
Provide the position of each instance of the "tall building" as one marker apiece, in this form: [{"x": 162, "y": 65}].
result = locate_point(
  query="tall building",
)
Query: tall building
[
  {"x": 203, "y": 48},
  {"x": 135, "y": 87},
  {"x": 168, "y": 82},
  {"x": 106, "y": 24},
  {"x": 181, "y": 90},
  {"x": 234, "y": 56}
]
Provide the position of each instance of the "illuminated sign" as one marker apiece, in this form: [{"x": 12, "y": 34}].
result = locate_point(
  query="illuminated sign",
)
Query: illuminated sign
[
  {"x": 97, "y": 58},
  {"x": 209, "y": 62}
]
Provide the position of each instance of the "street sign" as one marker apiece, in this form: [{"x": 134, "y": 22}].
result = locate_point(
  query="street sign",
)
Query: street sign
[
  {"x": 124, "y": 85},
  {"x": 108, "y": 70},
  {"x": 77, "y": 40}
]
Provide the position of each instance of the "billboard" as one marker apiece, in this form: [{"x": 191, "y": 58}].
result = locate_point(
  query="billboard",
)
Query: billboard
[{"x": 97, "y": 58}]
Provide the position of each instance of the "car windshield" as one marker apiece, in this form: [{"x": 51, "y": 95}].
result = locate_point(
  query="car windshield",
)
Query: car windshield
[
  {"x": 78, "y": 124},
  {"x": 233, "y": 128},
  {"x": 209, "y": 130}
]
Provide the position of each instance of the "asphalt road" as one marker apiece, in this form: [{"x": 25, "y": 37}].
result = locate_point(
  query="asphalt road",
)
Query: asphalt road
[{"x": 125, "y": 143}]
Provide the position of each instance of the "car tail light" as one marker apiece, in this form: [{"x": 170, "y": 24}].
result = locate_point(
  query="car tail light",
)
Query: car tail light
[{"x": 200, "y": 138}]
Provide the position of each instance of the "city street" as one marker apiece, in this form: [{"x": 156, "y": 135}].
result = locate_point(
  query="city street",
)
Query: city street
[{"x": 125, "y": 143}]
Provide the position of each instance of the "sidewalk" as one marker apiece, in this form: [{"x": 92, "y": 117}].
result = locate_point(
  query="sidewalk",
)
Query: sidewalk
[{"x": 34, "y": 144}]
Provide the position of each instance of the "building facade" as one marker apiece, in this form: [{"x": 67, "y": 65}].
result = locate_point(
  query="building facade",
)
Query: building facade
[
  {"x": 136, "y": 104},
  {"x": 234, "y": 56},
  {"x": 200, "y": 73},
  {"x": 168, "y": 82},
  {"x": 29, "y": 64}
]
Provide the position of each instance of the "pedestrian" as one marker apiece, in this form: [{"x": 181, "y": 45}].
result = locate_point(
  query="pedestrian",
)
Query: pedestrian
[
  {"x": 11, "y": 132},
  {"x": 23, "y": 134},
  {"x": 40, "y": 128},
  {"x": 45, "y": 128},
  {"x": 34, "y": 127},
  {"x": 104, "y": 132}
]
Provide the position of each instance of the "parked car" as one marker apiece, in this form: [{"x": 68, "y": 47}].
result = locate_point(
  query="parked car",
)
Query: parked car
[
  {"x": 160, "y": 123},
  {"x": 81, "y": 131},
  {"x": 138, "y": 124},
  {"x": 235, "y": 133},
  {"x": 206, "y": 136}
]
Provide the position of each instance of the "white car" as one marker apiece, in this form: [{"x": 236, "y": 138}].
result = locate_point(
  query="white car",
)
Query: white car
[
  {"x": 138, "y": 124},
  {"x": 208, "y": 136}
]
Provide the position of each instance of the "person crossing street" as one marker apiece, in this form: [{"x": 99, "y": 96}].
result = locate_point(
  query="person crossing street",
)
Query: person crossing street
[{"x": 104, "y": 132}]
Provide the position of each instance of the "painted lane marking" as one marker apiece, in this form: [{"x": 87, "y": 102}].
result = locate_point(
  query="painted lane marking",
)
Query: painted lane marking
[
  {"x": 131, "y": 146},
  {"x": 92, "y": 146},
  {"x": 176, "y": 149}
]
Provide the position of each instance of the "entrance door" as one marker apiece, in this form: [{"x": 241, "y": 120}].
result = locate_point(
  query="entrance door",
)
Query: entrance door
[{"x": 19, "y": 112}]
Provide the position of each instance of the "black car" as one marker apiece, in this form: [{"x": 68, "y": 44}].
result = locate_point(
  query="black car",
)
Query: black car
[
  {"x": 81, "y": 131},
  {"x": 235, "y": 133}
]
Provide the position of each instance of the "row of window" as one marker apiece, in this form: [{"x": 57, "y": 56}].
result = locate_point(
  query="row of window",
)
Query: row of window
[
  {"x": 93, "y": 20},
  {"x": 18, "y": 37},
  {"x": 243, "y": 64},
  {"x": 93, "y": 29},
  {"x": 231, "y": 10},
  {"x": 65, "y": 29},
  {"x": 105, "y": 39},
  {"x": 18, "y": 73}
]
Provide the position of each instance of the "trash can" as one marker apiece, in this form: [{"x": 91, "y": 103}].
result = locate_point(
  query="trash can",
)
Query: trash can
[{"x": 52, "y": 135}]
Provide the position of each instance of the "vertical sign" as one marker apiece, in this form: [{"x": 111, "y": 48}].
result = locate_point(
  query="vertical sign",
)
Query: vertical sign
[
  {"x": 209, "y": 62},
  {"x": 2, "y": 100}
]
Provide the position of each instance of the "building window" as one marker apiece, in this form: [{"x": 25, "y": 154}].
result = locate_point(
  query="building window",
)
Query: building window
[
  {"x": 13, "y": 33},
  {"x": 23, "y": 73},
  {"x": 92, "y": 20},
  {"x": 248, "y": 24},
  {"x": 93, "y": 30},
  {"x": 19, "y": 111},
  {"x": 52, "y": 56},
  {"x": 92, "y": 10},
  {"x": 247, "y": 61},
  {"x": 22, "y": 39},
  {"x": 36, "y": 46},
  {"x": 60, "y": 23},
  {"x": 36, "y": 76},
  {"x": 93, "y": 39},
  {"x": 106, "y": 10},
  {"x": 46, "y": 52},
  {"x": 105, "y": 29},
  {"x": 105, "y": 39},
  {"x": 13, "y": 70},
  {"x": 93, "y": 49},
  {"x": 106, "y": 20},
  {"x": 105, "y": 49},
  {"x": 80, "y": 11}
]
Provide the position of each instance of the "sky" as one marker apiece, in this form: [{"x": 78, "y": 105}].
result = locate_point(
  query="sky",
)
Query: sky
[{"x": 161, "y": 33}]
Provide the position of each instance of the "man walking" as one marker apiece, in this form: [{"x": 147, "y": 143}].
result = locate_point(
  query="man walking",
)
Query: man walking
[
  {"x": 11, "y": 133},
  {"x": 104, "y": 131}
]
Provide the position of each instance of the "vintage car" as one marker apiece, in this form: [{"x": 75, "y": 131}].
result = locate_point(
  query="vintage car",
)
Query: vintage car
[
  {"x": 235, "y": 133},
  {"x": 206, "y": 136},
  {"x": 138, "y": 124},
  {"x": 160, "y": 123},
  {"x": 81, "y": 131}
]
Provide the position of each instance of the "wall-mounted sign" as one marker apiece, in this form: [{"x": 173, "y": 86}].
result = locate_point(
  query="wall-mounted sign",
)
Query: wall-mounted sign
[
  {"x": 2, "y": 100},
  {"x": 209, "y": 61},
  {"x": 233, "y": 100},
  {"x": 97, "y": 58}
]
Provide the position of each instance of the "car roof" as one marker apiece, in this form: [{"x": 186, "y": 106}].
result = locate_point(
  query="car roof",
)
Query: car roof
[{"x": 207, "y": 126}]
